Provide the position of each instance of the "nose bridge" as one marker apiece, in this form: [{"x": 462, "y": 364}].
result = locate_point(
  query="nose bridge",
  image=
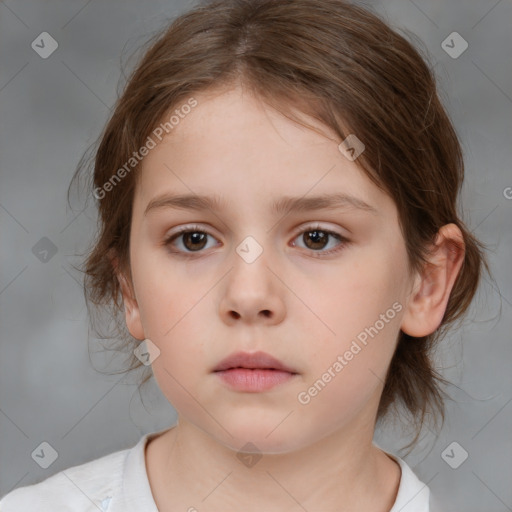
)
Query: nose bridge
[
  {"x": 250, "y": 261},
  {"x": 251, "y": 290},
  {"x": 251, "y": 250}
]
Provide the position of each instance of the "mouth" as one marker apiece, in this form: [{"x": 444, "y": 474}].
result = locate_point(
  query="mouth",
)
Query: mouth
[
  {"x": 255, "y": 372},
  {"x": 254, "y": 361}
]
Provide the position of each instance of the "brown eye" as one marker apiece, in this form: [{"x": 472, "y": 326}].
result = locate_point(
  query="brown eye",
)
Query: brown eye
[
  {"x": 192, "y": 240},
  {"x": 316, "y": 239}
]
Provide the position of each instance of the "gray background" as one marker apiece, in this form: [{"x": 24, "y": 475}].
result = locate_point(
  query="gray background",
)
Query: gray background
[{"x": 52, "y": 109}]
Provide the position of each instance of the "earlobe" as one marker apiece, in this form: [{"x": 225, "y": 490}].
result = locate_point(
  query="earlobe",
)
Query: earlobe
[
  {"x": 132, "y": 312},
  {"x": 427, "y": 304},
  {"x": 131, "y": 307}
]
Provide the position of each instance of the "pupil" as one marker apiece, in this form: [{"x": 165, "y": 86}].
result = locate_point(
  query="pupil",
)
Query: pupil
[
  {"x": 318, "y": 238},
  {"x": 196, "y": 238}
]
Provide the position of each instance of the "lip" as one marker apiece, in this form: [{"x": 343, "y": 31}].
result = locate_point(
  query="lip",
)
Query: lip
[
  {"x": 254, "y": 372},
  {"x": 252, "y": 361}
]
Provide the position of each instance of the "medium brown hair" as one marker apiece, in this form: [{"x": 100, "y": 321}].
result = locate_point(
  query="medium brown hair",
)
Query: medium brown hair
[{"x": 340, "y": 64}]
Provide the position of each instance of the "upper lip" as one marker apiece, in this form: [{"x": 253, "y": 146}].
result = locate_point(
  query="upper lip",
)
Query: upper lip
[{"x": 256, "y": 360}]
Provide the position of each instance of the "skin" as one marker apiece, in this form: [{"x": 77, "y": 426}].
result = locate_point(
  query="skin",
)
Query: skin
[{"x": 304, "y": 310}]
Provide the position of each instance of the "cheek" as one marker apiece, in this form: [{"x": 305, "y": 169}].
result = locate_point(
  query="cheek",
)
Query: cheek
[
  {"x": 347, "y": 373},
  {"x": 354, "y": 298},
  {"x": 166, "y": 299},
  {"x": 363, "y": 312},
  {"x": 174, "y": 324},
  {"x": 171, "y": 310},
  {"x": 182, "y": 358}
]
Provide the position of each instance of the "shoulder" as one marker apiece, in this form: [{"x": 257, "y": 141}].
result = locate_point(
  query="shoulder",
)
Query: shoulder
[
  {"x": 83, "y": 488},
  {"x": 413, "y": 495}
]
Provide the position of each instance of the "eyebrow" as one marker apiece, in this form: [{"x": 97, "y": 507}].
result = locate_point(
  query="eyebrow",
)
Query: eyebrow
[{"x": 284, "y": 204}]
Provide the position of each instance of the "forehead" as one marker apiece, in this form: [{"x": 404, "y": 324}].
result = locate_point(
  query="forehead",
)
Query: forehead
[
  {"x": 234, "y": 145},
  {"x": 222, "y": 120}
]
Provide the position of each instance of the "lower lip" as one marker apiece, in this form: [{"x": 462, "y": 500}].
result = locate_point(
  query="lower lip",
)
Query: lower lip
[{"x": 245, "y": 379}]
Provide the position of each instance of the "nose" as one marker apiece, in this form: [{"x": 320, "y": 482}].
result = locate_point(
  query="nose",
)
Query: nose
[{"x": 252, "y": 293}]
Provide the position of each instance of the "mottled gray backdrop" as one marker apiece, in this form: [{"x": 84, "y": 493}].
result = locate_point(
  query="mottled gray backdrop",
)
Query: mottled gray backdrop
[{"x": 53, "y": 105}]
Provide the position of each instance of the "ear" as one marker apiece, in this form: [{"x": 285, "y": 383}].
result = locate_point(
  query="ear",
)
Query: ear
[
  {"x": 427, "y": 305},
  {"x": 131, "y": 308}
]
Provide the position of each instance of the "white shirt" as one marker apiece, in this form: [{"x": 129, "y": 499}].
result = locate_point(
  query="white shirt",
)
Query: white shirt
[{"x": 118, "y": 482}]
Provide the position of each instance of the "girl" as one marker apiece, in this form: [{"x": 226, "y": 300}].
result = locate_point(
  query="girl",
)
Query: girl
[{"x": 277, "y": 189}]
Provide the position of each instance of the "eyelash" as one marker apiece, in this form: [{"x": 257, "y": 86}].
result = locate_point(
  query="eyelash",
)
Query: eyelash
[{"x": 317, "y": 254}]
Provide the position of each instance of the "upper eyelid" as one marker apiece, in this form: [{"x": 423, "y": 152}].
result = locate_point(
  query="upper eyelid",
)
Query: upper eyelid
[
  {"x": 342, "y": 239},
  {"x": 309, "y": 226}
]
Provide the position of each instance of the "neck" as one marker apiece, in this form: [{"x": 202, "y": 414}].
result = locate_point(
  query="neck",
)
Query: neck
[{"x": 344, "y": 472}]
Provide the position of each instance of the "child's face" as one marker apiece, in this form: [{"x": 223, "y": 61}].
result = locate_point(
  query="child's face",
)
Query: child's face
[{"x": 304, "y": 304}]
